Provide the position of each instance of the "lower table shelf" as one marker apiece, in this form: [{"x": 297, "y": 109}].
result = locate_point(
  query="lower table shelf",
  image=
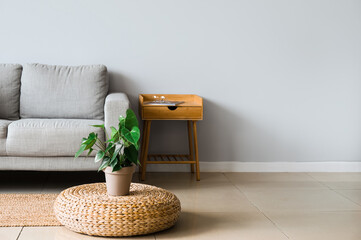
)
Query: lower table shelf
[{"x": 170, "y": 159}]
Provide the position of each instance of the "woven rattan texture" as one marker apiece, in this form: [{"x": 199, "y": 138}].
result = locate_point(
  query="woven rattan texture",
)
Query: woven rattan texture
[
  {"x": 88, "y": 209},
  {"x": 19, "y": 210}
]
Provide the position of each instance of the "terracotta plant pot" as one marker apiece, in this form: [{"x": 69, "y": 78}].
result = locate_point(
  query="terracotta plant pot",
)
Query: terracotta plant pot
[{"x": 118, "y": 182}]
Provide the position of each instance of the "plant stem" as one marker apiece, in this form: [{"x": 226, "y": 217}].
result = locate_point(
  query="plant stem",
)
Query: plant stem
[
  {"x": 100, "y": 147},
  {"x": 102, "y": 144}
]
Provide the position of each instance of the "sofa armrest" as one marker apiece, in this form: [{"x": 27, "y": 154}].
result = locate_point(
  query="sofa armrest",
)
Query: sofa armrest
[{"x": 116, "y": 104}]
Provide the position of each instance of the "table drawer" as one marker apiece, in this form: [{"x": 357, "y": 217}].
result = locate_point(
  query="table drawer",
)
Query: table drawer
[{"x": 170, "y": 113}]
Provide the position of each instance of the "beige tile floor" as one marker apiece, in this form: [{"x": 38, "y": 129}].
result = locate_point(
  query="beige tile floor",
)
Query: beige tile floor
[{"x": 265, "y": 206}]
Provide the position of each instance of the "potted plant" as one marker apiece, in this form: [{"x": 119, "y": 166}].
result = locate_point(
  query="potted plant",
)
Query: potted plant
[{"x": 118, "y": 154}]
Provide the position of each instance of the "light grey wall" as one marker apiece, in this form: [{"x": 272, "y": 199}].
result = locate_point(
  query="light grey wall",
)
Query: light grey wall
[{"x": 281, "y": 79}]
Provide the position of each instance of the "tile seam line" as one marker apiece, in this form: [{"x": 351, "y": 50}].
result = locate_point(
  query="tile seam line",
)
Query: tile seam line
[
  {"x": 21, "y": 230},
  {"x": 335, "y": 190},
  {"x": 253, "y": 204}
]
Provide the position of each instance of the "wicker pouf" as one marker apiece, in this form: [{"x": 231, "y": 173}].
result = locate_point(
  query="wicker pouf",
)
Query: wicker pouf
[{"x": 88, "y": 209}]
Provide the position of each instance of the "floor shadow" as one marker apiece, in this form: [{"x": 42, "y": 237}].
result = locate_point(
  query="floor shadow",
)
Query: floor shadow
[
  {"x": 190, "y": 224},
  {"x": 34, "y": 181}
]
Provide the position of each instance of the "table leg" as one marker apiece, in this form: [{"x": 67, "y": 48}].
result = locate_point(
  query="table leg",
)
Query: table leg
[
  {"x": 142, "y": 146},
  {"x": 190, "y": 144},
  {"x": 196, "y": 149},
  {"x": 146, "y": 145}
]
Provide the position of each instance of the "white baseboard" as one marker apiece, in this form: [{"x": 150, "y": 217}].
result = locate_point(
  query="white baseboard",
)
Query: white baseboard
[{"x": 261, "y": 167}]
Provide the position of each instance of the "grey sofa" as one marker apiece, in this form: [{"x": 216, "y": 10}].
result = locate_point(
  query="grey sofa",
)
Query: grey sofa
[{"x": 45, "y": 111}]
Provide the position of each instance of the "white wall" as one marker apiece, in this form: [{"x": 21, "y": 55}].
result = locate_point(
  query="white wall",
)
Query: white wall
[{"x": 281, "y": 79}]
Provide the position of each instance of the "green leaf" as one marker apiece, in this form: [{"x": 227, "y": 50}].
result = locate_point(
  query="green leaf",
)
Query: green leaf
[
  {"x": 131, "y": 136},
  {"x": 90, "y": 151},
  {"x": 103, "y": 127},
  {"x": 80, "y": 151},
  {"x": 121, "y": 122},
  {"x": 135, "y": 132},
  {"x": 90, "y": 144},
  {"x": 99, "y": 156},
  {"x": 115, "y": 134},
  {"x": 92, "y": 135},
  {"x": 104, "y": 164},
  {"x": 114, "y": 131},
  {"x": 115, "y": 154},
  {"x": 113, "y": 162},
  {"x": 131, "y": 153},
  {"x": 125, "y": 142},
  {"x": 98, "y": 126},
  {"x": 87, "y": 140},
  {"x": 131, "y": 120},
  {"x": 110, "y": 140},
  {"x": 118, "y": 163},
  {"x": 87, "y": 143},
  {"x": 126, "y": 134},
  {"x": 111, "y": 150},
  {"x": 122, "y": 158},
  {"x": 110, "y": 145},
  {"x": 117, "y": 167}
]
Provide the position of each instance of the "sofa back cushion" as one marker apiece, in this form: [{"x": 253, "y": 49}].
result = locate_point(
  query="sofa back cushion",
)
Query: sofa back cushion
[
  {"x": 63, "y": 91},
  {"x": 10, "y": 91}
]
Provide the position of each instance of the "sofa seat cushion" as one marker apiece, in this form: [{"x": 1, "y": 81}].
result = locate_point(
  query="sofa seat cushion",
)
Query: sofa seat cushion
[
  {"x": 3, "y": 133},
  {"x": 4, "y": 128},
  {"x": 10, "y": 90},
  {"x": 73, "y": 92},
  {"x": 49, "y": 137}
]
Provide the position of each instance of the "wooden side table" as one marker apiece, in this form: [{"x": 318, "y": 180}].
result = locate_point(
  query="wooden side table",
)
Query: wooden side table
[{"x": 191, "y": 111}]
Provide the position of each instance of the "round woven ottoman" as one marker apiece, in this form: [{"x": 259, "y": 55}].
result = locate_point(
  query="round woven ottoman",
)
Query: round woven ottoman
[{"x": 88, "y": 209}]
